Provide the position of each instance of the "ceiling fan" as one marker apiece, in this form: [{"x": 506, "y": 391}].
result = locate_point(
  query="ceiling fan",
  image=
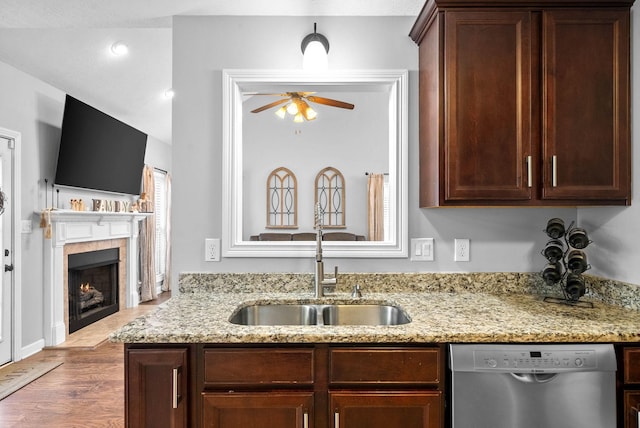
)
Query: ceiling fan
[{"x": 297, "y": 105}]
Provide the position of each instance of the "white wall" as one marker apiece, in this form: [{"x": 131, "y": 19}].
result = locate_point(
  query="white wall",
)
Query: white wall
[
  {"x": 501, "y": 239},
  {"x": 615, "y": 232},
  {"x": 35, "y": 109}
]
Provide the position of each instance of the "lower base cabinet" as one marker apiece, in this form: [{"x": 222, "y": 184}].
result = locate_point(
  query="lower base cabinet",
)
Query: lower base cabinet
[
  {"x": 376, "y": 409},
  {"x": 284, "y": 386},
  {"x": 259, "y": 409},
  {"x": 632, "y": 409},
  {"x": 156, "y": 385},
  {"x": 631, "y": 386}
]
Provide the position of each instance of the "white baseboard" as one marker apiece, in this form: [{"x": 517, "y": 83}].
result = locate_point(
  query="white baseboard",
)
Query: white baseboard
[{"x": 33, "y": 348}]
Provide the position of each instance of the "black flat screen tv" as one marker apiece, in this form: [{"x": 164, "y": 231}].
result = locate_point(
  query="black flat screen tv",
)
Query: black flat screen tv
[{"x": 98, "y": 151}]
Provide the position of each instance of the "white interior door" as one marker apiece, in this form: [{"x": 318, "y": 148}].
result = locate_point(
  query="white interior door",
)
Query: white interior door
[{"x": 6, "y": 237}]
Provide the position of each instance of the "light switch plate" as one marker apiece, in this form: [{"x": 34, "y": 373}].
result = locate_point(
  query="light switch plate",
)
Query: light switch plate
[{"x": 422, "y": 250}]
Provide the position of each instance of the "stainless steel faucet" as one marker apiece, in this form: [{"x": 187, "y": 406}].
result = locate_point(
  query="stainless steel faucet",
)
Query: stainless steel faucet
[{"x": 320, "y": 282}]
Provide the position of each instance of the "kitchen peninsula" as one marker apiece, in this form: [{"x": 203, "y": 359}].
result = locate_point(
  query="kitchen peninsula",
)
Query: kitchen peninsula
[{"x": 308, "y": 375}]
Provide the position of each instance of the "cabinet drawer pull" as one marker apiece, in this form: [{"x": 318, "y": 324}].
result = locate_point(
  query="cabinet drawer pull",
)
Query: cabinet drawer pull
[
  {"x": 336, "y": 420},
  {"x": 529, "y": 172},
  {"x": 175, "y": 396},
  {"x": 554, "y": 171}
]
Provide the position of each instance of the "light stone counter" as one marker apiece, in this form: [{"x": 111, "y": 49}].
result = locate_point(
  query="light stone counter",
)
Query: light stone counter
[{"x": 200, "y": 314}]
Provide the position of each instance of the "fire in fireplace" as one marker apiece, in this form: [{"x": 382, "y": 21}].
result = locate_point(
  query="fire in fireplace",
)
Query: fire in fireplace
[{"x": 93, "y": 286}]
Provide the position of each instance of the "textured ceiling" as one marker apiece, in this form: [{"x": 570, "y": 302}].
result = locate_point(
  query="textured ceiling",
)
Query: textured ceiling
[{"x": 65, "y": 42}]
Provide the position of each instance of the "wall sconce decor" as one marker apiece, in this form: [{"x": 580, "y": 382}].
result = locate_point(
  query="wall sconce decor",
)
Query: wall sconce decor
[
  {"x": 315, "y": 49},
  {"x": 282, "y": 199},
  {"x": 330, "y": 198}
]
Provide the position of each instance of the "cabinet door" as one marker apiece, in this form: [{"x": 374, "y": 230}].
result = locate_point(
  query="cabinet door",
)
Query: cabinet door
[
  {"x": 156, "y": 388},
  {"x": 586, "y": 137},
  {"x": 379, "y": 409},
  {"x": 632, "y": 409},
  {"x": 488, "y": 108},
  {"x": 257, "y": 409}
]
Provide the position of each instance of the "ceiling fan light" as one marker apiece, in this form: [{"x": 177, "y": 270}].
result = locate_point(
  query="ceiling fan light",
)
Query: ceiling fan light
[
  {"x": 298, "y": 118},
  {"x": 310, "y": 114},
  {"x": 281, "y": 112},
  {"x": 292, "y": 108}
]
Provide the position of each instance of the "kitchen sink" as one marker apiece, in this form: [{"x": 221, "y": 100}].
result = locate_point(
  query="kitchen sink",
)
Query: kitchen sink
[
  {"x": 280, "y": 314},
  {"x": 319, "y": 314},
  {"x": 364, "y": 315}
]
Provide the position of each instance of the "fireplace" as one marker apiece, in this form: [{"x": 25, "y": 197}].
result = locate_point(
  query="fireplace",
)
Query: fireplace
[
  {"x": 93, "y": 280},
  {"x": 75, "y": 232}
]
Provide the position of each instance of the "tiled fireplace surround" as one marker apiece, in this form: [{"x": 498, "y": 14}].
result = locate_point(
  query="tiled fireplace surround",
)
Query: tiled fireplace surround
[{"x": 75, "y": 232}]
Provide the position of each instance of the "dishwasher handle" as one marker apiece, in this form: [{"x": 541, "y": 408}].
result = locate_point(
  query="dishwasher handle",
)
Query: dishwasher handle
[{"x": 534, "y": 377}]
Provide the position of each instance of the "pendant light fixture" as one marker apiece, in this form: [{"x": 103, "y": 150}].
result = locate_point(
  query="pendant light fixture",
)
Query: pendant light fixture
[{"x": 315, "y": 49}]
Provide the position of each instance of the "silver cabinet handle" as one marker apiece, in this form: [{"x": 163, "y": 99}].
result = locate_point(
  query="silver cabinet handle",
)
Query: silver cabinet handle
[
  {"x": 529, "y": 172},
  {"x": 305, "y": 420},
  {"x": 336, "y": 420},
  {"x": 174, "y": 394},
  {"x": 554, "y": 171}
]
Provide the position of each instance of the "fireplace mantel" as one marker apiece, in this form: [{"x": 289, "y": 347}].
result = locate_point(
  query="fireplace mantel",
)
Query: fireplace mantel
[{"x": 68, "y": 227}]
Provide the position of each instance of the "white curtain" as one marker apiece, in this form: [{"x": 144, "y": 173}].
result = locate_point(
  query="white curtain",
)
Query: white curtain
[
  {"x": 147, "y": 239},
  {"x": 166, "y": 285},
  {"x": 376, "y": 207}
]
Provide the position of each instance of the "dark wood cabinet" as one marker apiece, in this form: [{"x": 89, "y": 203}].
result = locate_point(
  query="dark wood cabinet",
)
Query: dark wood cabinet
[
  {"x": 156, "y": 388},
  {"x": 632, "y": 409},
  {"x": 368, "y": 387},
  {"x": 257, "y": 409},
  {"x": 285, "y": 386},
  {"x": 523, "y": 106},
  {"x": 586, "y": 91},
  {"x": 631, "y": 386},
  {"x": 384, "y": 409}
]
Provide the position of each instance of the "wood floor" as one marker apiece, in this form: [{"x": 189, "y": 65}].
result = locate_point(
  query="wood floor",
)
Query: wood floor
[{"x": 86, "y": 391}]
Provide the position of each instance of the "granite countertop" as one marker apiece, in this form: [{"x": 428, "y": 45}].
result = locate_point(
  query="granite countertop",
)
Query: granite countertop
[{"x": 437, "y": 317}]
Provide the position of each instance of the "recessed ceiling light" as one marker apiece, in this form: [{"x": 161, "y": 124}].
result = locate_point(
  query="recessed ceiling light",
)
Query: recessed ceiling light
[{"x": 119, "y": 49}]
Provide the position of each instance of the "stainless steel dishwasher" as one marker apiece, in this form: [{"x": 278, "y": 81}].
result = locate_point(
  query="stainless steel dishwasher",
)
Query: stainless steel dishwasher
[{"x": 533, "y": 386}]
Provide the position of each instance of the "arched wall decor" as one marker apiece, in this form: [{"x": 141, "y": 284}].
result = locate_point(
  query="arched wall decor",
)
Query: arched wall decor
[
  {"x": 330, "y": 196},
  {"x": 282, "y": 199}
]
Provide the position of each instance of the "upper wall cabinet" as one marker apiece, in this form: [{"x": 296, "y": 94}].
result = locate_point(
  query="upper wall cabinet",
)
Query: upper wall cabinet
[{"x": 524, "y": 106}]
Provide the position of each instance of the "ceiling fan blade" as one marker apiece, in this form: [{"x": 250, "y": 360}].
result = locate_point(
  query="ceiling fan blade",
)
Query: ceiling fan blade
[
  {"x": 274, "y": 94},
  {"x": 268, "y": 106},
  {"x": 330, "y": 102}
]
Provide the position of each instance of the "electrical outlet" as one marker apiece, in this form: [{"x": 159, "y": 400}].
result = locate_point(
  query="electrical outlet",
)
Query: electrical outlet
[
  {"x": 212, "y": 250},
  {"x": 462, "y": 250},
  {"x": 422, "y": 250}
]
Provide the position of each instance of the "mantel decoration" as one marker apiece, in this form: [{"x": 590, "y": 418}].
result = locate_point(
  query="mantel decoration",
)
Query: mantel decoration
[{"x": 566, "y": 261}]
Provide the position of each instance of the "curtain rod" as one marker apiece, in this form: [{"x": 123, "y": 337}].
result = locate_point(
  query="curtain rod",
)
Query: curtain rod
[{"x": 384, "y": 173}]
